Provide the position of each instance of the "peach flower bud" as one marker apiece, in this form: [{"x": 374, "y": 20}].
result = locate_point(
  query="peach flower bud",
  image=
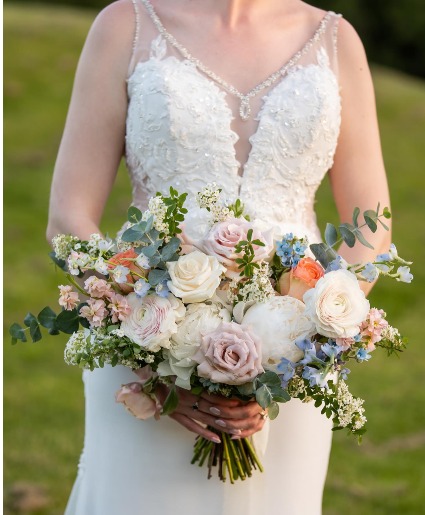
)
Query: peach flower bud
[
  {"x": 303, "y": 277},
  {"x": 138, "y": 403}
]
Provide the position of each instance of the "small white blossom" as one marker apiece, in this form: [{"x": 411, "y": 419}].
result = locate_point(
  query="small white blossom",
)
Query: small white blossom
[
  {"x": 404, "y": 274},
  {"x": 63, "y": 245}
]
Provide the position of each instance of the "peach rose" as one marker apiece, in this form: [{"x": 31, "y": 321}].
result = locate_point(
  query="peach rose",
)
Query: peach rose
[
  {"x": 303, "y": 277},
  {"x": 127, "y": 259},
  {"x": 138, "y": 403}
]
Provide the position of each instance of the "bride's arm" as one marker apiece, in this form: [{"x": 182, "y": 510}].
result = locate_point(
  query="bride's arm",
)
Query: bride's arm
[
  {"x": 93, "y": 139},
  {"x": 358, "y": 176}
]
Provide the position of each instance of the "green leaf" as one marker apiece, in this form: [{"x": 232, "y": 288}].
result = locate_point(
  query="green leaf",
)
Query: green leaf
[
  {"x": 269, "y": 378},
  {"x": 356, "y": 213},
  {"x": 132, "y": 234},
  {"x": 156, "y": 276},
  {"x": 386, "y": 212},
  {"x": 61, "y": 263},
  {"x": 68, "y": 321},
  {"x": 263, "y": 396},
  {"x": 370, "y": 219},
  {"x": 273, "y": 410},
  {"x": 282, "y": 396},
  {"x": 169, "y": 250},
  {"x": 47, "y": 318},
  {"x": 114, "y": 360},
  {"x": 30, "y": 319},
  {"x": 323, "y": 254},
  {"x": 151, "y": 250},
  {"x": 331, "y": 235},
  {"x": 347, "y": 235},
  {"x": 246, "y": 389},
  {"x": 35, "y": 332},
  {"x": 385, "y": 226},
  {"x": 134, "y": 214},
  {"x": 17, "y": 333},
  {"x": 171, "y": 402},
  {"x": 362, "y": 239}
]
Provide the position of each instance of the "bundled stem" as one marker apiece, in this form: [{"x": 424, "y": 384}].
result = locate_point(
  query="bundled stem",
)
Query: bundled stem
[{"x": 235, "y": 459}]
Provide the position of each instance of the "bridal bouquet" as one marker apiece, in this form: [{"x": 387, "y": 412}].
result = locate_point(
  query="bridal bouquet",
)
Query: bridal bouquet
[{"x": 201, "y": 298}]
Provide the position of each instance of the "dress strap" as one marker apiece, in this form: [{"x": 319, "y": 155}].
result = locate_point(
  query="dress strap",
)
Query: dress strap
[{"x": 133, "y": 58}]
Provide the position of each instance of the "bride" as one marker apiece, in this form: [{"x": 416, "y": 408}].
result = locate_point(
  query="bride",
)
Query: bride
[{"x": 262, "y": 97}]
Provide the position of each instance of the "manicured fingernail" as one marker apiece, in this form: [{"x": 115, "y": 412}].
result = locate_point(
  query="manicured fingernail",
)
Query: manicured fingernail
[
  {"x": 215, "y": 411},
  {"x": 221, "y": 423},
  {"x": 235, "y": 437},
  {"x": 235, "y": 431},
  {"x": 215, "y": 439}
]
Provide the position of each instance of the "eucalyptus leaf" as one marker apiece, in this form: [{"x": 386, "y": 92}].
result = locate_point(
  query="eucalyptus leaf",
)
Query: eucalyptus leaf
[
  {"x": 246, "y": 389},
  {"x": 386, "y": 212},
  {"x": 356, "y": 213},
  {"x": 347, "y": 235},
  {"x": 35, "y": 332},
  {"x": 154, "y": 260},
  {"x": 269, "y": 378},
  {"x": 68, "y": 321},
  {"x": 362, "y": 239},
  {"x": 17, "y": 333},
  {"x": 263, "y": 396},
  {"x": 61, "y": 263},
  {"x": 170, "y": 249},
  {"x": 132, "y": 234},
  {"x": 156, "y": 276},
  {"x": 171, "y": 402},
  {"x": 47, "y": 318},
  {"x": 29, "y": 319},
  {"x": 370, "y": 217},
  {"x": 134, "y": 214},
  {"x": 273, "y": 410},
  {"x": 151, "y": 250},
  {"x": 331, "y": 235}
]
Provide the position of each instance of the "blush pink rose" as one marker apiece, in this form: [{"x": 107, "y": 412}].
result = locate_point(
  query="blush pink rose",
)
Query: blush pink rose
[
  {"x": 138, "y": 403},
  {"x": 223, "y": 236},
  {"x": 303, "y": 277},
  {"x": 229, "y": 355}
]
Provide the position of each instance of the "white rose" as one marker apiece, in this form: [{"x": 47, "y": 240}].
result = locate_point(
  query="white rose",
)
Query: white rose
[
  {"x": 199, "y": 320},
  {"x": 278, "y": 322},
  {"x": 337, "y": 305},
  {"x": 152, "y": 320},
  {"x": 194, "y": 277}
]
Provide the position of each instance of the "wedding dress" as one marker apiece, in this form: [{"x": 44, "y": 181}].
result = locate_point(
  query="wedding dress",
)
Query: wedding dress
[{"x": 179, "y": 133}]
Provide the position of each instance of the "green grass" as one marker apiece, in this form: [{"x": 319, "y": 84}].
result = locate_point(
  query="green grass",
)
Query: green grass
[{"x": 44, "y": 406}]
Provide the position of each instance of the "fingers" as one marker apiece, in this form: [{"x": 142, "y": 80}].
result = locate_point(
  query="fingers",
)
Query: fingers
[{"x": 193, "y": 426}]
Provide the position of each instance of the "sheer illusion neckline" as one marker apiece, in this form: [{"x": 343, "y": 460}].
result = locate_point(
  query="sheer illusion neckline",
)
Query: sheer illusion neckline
[{"x": 245, "y": 108}]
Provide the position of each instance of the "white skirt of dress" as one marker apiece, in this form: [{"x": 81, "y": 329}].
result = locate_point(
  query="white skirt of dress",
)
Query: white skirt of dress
[{"x": 134, "y": 467}]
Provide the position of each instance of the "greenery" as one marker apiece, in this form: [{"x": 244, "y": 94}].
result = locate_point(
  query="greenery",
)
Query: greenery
[{"x": 44, "y": 405}]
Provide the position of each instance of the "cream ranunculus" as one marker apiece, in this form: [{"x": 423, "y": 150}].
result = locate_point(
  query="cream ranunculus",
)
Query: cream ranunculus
[
  {"x": 194, "y": 277},
  {"x": 337, "y": 305},
  {"x": 200, "y": 319},
  {"x": 278, "y": 322},
  {"x": 152, "y": 320}
]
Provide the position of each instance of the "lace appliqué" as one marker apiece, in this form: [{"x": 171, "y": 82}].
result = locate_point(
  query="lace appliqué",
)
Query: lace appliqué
[{"x": 179, "y": 133}]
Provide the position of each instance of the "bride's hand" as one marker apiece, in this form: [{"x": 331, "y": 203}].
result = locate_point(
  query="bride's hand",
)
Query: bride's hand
[{"x": 239, "y": 419}]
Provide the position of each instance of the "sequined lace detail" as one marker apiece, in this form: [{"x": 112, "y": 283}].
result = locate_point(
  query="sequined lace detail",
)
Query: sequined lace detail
[
  {"x": 245, "y": 107},
  {"x": 179, "y": 133}
]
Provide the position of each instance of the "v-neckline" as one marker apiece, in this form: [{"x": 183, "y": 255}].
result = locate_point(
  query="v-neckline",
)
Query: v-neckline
[{"x": 244, "y": 97}]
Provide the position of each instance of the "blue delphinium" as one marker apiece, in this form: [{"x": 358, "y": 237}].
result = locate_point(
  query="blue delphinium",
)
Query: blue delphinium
[
  {"x": 141, "y": 288},
  {"x": 315, "y": 377},
  {"x": 162, "y": 290},
  {"x": 291, "y": 249},
  {"x": 337, "y": 264},
  {"x": 344, "y": 373},
  {"x": 286, "y": 371},
  {"x": 362, "y": 355},
  {"x": 370, "y": 273}
]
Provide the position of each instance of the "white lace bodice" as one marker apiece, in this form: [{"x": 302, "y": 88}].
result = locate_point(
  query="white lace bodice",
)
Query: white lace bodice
[{"x": 179, "y": 129}]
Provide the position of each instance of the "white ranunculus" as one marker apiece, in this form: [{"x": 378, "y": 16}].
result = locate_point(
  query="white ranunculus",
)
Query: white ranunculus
[
  {"x": 278, "y": 322},
  {"x": 152, "y": 320},
  {"x": 337, "y": 305},
  {"x": 194, "y": 277}
]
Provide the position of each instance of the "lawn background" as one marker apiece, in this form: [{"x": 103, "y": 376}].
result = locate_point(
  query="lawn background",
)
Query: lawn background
[{"x": 43, "y": 398}]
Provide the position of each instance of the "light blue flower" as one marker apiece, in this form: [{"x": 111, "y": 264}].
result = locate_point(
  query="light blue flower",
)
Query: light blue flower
[
  {"x": 393, "y": 251},
  {"x": 362, "y": 355},
  {"x": 286, "y": 370},
  {"x": 304, "y": 343},
  {"x": 120, "y": 273},
  {"x": 344, "y": 373},
  {"x": 141, "y": 288},
  {"x": 370, "y": 272},
  {"x": 162, "y": 290},
  {"x": 404, "y": 274},
  {"x": 315, "y": 377},
  {"x": 331, "y": 350},
  {"x": 382, "y": 257},
  {"x": 310, "y": 356},
  {"x": 143, "y": 261},
  {"x": 337, "y": 264}
]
